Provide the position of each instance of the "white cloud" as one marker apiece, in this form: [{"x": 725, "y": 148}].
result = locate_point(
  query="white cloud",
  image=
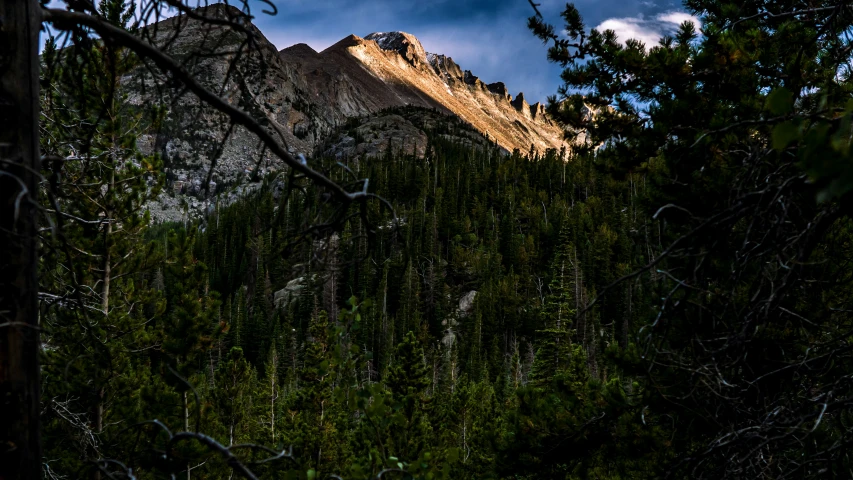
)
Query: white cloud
[
  {"x": 635, "y": 28},
  {"x": 647, "y": 30},
  {"x": 677, "y": 18}
]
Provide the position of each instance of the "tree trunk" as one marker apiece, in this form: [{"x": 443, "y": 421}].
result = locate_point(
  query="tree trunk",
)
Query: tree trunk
[
  {"x": 20, "y": 454},
  {"x": 273, "y": 398},
  {"x": 99, "y": 428},
  {"x": 108, "y": 230},
  {"x": 186, "y": 405}
]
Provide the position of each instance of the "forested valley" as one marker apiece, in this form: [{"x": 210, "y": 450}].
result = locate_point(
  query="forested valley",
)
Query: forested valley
[
  {"x": 669, "y": 297},
  {"x": 431, "y": 342}
]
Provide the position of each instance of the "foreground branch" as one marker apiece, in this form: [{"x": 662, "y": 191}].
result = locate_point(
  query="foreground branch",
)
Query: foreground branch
[{"x": 68, "y": 21}]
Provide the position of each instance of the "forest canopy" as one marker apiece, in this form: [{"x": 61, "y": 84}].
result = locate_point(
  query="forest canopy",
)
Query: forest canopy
[{"x": 670, "y": 297}]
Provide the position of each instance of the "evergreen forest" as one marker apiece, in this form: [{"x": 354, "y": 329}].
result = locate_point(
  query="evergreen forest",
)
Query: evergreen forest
[{"x": 668, "y": 298}]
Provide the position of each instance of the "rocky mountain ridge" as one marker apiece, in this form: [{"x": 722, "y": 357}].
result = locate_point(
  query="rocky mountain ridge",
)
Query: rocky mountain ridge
[{"x": 306, "y": 96}]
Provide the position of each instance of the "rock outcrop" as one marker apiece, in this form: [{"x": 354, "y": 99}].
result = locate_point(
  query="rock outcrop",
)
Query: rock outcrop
[
  {"x": 499, "y": 89},
  {"x": 521, "y": 105},
  {"x": 445, "y": 67},
  {"x": 294, "y": 288},
  {"x": 466, "y": 303},
  {"x": 405, "y": 44}
]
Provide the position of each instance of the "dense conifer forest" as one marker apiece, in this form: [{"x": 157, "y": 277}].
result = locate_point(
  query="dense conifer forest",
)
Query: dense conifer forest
[
  {"x": 429, "y": 342},
  {"x": 669, "y": 297}
]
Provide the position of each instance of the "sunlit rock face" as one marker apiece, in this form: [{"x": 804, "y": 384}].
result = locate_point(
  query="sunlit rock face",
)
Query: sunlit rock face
[
  {"x": 393, "y": 69},
  {"x": 360, "y": 76},
  {"x": 445, "y": 67},
  {"x": 405, "y": 44}
]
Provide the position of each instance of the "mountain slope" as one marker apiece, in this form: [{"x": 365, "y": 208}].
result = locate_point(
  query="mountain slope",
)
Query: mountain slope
[
  {"x": 364, "y": 75},
  {"x": 304, "y": 97}
]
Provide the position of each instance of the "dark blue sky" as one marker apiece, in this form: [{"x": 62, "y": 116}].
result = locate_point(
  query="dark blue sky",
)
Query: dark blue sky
[{"x": 488, "y": 37}]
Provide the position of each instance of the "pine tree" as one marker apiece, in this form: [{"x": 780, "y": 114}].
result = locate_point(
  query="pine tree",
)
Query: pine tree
[
  {"x": 476, "y": 423},
  {"x": 269, "y": 400},
  {"x": 314, "y": 413},
  {"x": 97, "y": 265},
  {"x": 409, "y": 315},
  {"x": 407, "y": 381},
  {"x": 233, "y": 397},
  {"x": 191, "y": 322},
  {"x": 558, "y": 313}
]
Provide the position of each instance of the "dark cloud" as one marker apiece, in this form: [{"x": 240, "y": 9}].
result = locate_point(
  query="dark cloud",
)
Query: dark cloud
[{"x": 488, "y": 37}]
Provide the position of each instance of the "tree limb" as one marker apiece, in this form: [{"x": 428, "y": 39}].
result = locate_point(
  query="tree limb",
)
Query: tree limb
[{"x": 65, "y": 20}]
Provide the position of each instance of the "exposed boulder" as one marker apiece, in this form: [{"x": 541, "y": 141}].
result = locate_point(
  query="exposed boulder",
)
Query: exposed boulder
[
  {"x": 466, "y": 306},
  {"x": 466, "y": 303},
  {"x": 290, "y": 292}
]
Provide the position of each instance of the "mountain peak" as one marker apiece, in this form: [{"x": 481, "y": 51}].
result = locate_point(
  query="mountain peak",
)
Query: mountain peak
[
  {"x": 403, "y": 43},
  {"x": 521, "y": 105},
  {"x": 444, "y": 66},
  {"x": 300, "y": 50},
  {"x": 344, "y": 43},
  {"x": 499, "y": 88}
]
